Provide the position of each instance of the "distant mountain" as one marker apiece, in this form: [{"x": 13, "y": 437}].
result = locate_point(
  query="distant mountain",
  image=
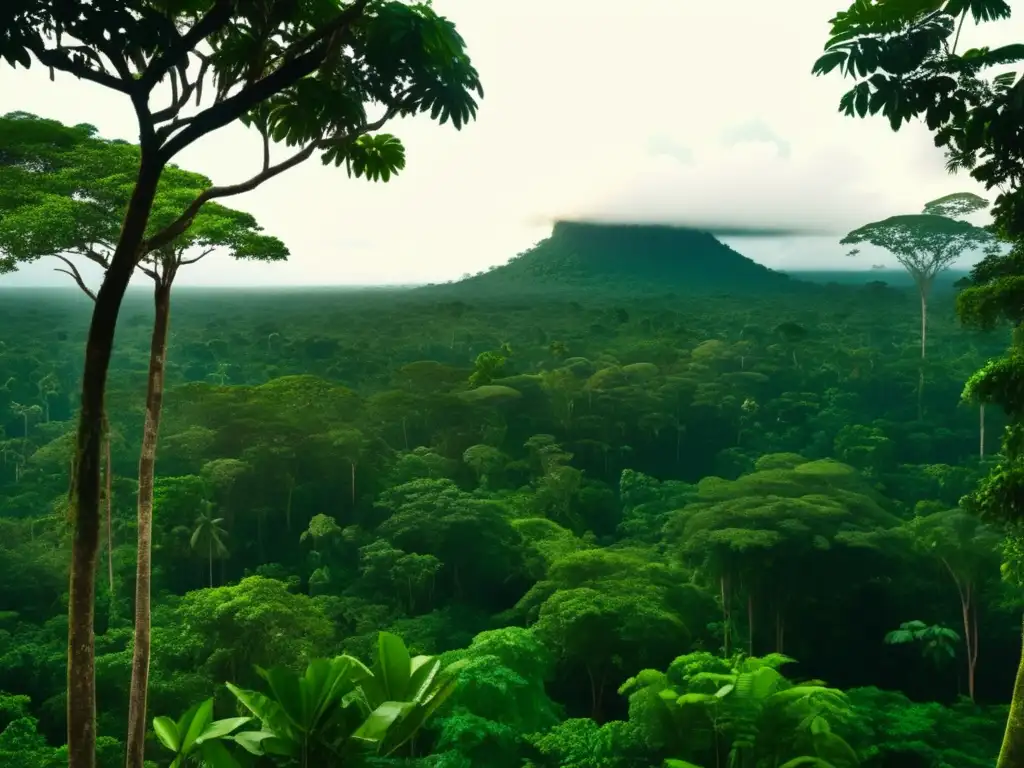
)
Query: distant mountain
[{"x": 625, "y": 256}]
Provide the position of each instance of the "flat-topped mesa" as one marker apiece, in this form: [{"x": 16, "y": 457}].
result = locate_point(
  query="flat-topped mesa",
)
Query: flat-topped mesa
[{"x": 633, "y": 256}]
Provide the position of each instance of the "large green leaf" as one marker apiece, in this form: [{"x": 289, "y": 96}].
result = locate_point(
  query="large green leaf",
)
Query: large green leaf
[
  {"x": 374, "y": 729},
  {"x": 201, "y": 718},
  {"x": 253, "y": 741},
  {"x": 167, "y": 732},
  {"x": 268, "y": 711},
  {"x": 218, "y": 729},
  {"x": 394, "y": 666}
]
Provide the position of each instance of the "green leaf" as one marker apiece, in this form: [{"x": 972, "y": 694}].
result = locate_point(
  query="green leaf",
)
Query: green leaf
[
  {"x": 252, "y": 741},
  {"x": 218, "y": 729},
  {"x": 375, "y": 728},
  {"x": 167, "y": 731},
  {"x": 394, "y": 665},
  {"x": 200, "y": 720},
  {"x": 828, "y": 62}
]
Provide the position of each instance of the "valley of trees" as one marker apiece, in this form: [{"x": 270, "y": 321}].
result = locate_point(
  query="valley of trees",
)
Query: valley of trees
[
  {"x": 564, "y": 492},
  {"x": 630, "y": 501}
]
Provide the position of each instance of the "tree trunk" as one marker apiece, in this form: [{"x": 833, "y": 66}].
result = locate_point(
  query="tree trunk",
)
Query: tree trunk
[
  {"x": 352, "y": 464},
  {"x": 750, "y": 625},
  {"x": 210, "y": 552},
  {"x": 109, "y": 479},
  {"x": 726, "y": 614},
  {"x": 81, "y": 708},
  {"x": 924, "y": 321},
  {"x": 981, "y": 431},
  {"x": 1011, "y": 754},
  {"x": 144, "y": 562}
]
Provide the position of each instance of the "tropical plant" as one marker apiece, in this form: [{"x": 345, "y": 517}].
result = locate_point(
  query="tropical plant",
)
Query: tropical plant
[
  {"x": 762, "y": 713},
  {"x": 196, "y": 738},
  {"x": 340, "y": 707},
  {"x": 938, "y": 643}
]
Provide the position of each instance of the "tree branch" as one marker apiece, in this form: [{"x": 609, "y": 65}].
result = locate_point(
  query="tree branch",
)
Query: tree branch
[
  {"x": 72, "y": 270},
  {"x": 216, "y": 18},
  {"x": 183, "y": 222},
  {"x": 57, "y": 58},
  {"x": 96, "y": 256},
  {"x": 202, "y": 255},
  {"x": 297, "y": 62},
  {"x": 152, "y": 273},
  {"x": 303, "y": 44}
]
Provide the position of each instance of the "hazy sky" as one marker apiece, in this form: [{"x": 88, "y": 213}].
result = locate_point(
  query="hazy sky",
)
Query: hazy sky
[{"x": 668, "y": 111}]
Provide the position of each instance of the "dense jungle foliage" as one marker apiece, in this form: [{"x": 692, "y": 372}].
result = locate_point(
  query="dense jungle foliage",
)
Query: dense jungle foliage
[
  {"x": 631, "y": 501},
  {"x": 617, "y": 514}
]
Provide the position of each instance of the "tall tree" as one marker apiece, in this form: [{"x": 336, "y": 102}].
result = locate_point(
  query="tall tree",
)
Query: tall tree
[
  {"x": 75, "y": 218},
  {"x": 906, "y": 59},
  {"x": 926, "y": 244},
  {"x": 300, "y": 74}
]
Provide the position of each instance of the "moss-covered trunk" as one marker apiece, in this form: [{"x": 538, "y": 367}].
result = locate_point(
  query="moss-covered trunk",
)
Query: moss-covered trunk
[{"x": 1011, "y": 754}]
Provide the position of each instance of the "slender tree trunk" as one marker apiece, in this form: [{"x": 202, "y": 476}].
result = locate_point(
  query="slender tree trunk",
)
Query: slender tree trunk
[
  {"x": 924, "y": 322},
  {"x": 724, "y": 588},
  {"x": 144, "y": 562},
  {"x": 750, "y": 625},
  {"x": 981, "y": 431},
  {"x": 210, "y": 560},
  {"x": 81, "y": 708},
  {"x": 352, "y": 464},
  {"x": 109, "y": 478},
  {"x": 1011, "y": 754}
]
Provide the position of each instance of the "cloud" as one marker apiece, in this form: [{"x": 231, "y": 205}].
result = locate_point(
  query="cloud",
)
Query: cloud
[{"x": 656, "y": 110}]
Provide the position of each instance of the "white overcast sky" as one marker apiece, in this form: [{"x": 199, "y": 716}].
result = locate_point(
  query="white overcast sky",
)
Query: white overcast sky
[{"x": 653, "y": 110}]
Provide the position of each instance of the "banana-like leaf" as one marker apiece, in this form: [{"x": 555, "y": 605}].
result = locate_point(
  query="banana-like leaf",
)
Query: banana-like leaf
[
  {"x": 218, "y": 729},
  {"x": 267, "y": 711},
  {"x": 406, "y": 728},
  {"x": 167, "y": 731},
  {"x": 253, "y": 741},
  {"x": 202, "y": 717},
  {"x": 393, "y": 666},
  {"x": 374, "y": 729}
]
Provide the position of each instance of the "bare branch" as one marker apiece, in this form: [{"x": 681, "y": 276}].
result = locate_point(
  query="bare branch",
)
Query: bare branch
[
  {"x": 301, "y": 58},
  {"x": 188, "y": 88},
  {"x": 151, "y": 273},
  {"x": 72, "y": 270},
  {"x": 95, "y": 256},
  {"x": 182, "y": 223},
  {"x": 119, "y": 63},
  {"x": 266, "y": 150},
  {"x": 202, "y": 255}
]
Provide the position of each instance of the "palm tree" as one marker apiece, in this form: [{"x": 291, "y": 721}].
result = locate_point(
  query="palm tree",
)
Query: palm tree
[{"x": 209, "y": 535}]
